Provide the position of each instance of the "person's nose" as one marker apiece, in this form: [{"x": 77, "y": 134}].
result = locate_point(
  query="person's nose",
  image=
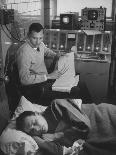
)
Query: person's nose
[
  {"x": 37, "y": 41},
  {"x": 37, "y": 128}
]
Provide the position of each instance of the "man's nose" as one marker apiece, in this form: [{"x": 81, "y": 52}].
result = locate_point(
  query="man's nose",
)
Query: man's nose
[
  {"x": 37, "y": 128},
  {"x": 37, "y": 41}
]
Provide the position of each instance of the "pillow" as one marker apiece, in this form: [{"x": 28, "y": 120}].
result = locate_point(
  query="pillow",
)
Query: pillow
[
  {"x": 13, "y": 141},
  {"x": 25, "y": 105}
]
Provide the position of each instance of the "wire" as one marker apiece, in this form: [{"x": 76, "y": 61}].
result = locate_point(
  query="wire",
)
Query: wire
[
  {"x": 11, "y": 33},
  {"x": 16, "y": 30},
  {"x": 5, "y": 32}
]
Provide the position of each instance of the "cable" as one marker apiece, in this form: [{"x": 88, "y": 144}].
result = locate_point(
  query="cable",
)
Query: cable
[
  {"x": 11, "y": 33},
  {"x": 5, "y": 32},
  {"x": 16, "y": 30}
]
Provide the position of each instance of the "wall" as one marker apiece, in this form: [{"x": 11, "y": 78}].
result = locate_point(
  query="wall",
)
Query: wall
[
  {"x": 50, "y": 11},
  {"x": 76, "y": 6},
  {"x": 25, "y": 12}
]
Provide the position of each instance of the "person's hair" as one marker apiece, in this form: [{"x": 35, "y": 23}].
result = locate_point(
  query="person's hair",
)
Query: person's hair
[
  {"x": 36, "y": 27},
  {"x": 20, "y": 120}
]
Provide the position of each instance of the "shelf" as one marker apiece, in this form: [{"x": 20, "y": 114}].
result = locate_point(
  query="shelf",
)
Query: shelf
[{"x": 92, "y": 60}]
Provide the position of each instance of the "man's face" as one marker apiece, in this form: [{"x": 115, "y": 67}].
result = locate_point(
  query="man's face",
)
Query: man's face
[
  {"x": 36, "y": 38},
  {"x": 35, "y": 125}
]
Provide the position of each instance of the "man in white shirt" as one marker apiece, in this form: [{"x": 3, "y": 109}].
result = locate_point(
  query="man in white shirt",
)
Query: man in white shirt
[{"x": 35, "y": 80}]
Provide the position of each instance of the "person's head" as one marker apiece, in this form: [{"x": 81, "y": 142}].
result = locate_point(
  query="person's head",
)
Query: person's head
[
  {"x": 35, "y": 34},
  {"x": 31, "y": 123}
]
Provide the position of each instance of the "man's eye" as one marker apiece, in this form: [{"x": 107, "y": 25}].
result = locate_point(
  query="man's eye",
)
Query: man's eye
[{"x": 32, "y": 131}]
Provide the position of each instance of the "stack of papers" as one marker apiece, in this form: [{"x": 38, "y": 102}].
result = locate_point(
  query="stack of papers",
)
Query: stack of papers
[{"x": 67, "y": 80}]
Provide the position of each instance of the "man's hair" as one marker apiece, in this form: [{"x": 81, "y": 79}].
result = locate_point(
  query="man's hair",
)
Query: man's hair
[
  {"x": 20, "y": 121},
  {"x": 36, "y": 27}
]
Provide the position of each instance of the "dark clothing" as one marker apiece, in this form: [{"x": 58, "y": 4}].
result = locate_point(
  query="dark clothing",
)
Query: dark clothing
[
  {"x": 63, "y": 110},
  {"x": 75, "y": 124},
  {"x": 105, "y": 146},
  {"x": 11, "y": 73},
  {"x": 102, "y": 136},
  {"x": 42, "y": 93},
  {"x": 101, "y": 139}
]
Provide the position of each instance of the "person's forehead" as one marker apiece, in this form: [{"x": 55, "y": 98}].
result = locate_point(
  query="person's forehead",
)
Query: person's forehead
[
  {"x": 28, "y": 122},
  {"x": 29, "y": 119},
  {"x": 37, "y": 34}
]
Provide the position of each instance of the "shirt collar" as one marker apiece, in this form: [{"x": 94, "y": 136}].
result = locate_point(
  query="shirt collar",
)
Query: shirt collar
[{"x": 35, "y": 48}]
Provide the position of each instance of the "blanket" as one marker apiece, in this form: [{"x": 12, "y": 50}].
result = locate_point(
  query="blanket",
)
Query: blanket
[{"x": 102, "y": 137}]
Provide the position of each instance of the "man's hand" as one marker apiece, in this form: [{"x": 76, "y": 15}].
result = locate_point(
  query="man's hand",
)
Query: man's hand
[
  {"x": 53, "y": 137},
  {"x": 59, "y": 54},
  {"x": 67, "y": 151},
  {"x": 56, "y": 73}
]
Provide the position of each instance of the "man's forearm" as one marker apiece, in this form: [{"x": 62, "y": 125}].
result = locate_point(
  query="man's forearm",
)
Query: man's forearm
[
  {"x": 58, "y": 135},
  {"x": 51, "y": 147}
]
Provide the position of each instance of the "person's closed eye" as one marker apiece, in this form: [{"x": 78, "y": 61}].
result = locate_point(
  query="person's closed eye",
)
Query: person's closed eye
[{"x": 36, "y": 130}]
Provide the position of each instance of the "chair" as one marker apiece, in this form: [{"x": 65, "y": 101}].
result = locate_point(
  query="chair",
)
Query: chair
[
  {"x": 14, "y": 89},
  {"x": 11, "y": 78},
  {"x": 12, "y": 86}
]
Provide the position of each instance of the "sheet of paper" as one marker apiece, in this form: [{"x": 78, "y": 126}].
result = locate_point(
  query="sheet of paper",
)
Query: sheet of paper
[
  {"x": 68, "y": 62},
  {"x": 67, "y": 80},
  {"x": 92, "y": 32}
]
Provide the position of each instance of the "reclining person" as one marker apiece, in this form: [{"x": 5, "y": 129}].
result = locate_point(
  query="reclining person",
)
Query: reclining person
[
  {"x": 61, "y": 124},
  {"x": 101, "y": 138}
]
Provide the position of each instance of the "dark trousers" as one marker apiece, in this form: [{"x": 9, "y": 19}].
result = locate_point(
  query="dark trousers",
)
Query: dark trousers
[{"x": 43, "y": 94}]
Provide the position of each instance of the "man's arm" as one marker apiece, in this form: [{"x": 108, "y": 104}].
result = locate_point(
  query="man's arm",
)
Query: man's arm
[
  {"x": 53, "y": 136},
  {"x": 51, "y": 54},
  {"x": 50, "y": 147},
  {"x": 66, "y": 137},
  {"x": 48, "y": 52}
]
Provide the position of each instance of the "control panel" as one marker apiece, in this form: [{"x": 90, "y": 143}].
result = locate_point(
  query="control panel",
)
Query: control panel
[
  {"x": 93, "y": 47},
  {"x": 93, "y": 18},
  {"x": 69, "y": 21}
]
